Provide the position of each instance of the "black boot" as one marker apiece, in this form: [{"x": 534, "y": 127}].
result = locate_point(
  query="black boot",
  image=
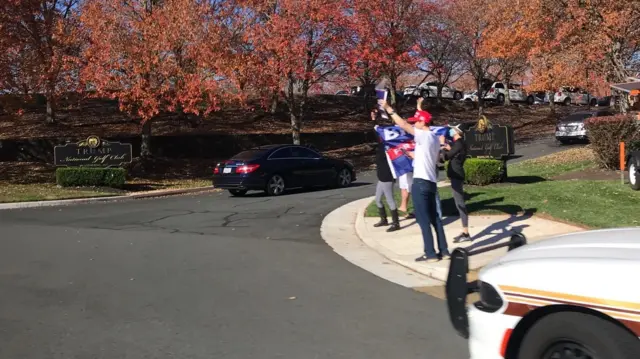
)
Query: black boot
[
  {"x": 395, "y": 225},
  {"x": 383, "y": 218}
]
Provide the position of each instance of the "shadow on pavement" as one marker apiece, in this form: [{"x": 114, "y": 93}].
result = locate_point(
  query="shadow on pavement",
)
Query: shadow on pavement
[
  {"x": 256, "y": 194},
  {"x": 501, "y": 229}
]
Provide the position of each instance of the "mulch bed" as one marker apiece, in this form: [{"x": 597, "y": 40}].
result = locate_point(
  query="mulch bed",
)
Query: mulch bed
[{"x": 326, "y": 114}]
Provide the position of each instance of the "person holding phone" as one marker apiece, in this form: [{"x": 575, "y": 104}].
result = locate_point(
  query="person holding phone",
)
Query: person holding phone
[
  {"x": 384, "y": 187},
  {"x": 456, "y": 154}
]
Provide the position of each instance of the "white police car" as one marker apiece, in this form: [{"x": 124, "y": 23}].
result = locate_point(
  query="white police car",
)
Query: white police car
[{"x": 574, "y": 296}]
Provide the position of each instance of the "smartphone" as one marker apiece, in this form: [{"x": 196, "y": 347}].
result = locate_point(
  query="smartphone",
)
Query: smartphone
[{"x": 382, "y": 95}]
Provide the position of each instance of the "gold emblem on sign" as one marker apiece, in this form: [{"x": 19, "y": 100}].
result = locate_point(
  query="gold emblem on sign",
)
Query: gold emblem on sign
[{"x": 91, "y": 142}]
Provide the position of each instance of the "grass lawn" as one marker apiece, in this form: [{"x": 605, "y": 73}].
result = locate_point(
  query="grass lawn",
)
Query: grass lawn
[
  {"x": 11, "y": 192},
  {"x": 596, "y": 204},
  {"x": 45, "y": 191}
]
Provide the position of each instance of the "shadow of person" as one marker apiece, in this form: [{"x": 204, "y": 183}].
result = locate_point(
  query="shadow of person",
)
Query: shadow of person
[{"x": 501, "y": 229}]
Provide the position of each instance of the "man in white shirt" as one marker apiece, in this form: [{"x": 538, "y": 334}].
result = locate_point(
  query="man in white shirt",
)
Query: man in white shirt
[{"x": 425, "y": 178}]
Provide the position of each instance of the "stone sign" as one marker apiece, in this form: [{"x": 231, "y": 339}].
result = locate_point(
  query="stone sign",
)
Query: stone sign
[
  {"x": 489, "y": 141},
  {"x": 93, "y": 152}
]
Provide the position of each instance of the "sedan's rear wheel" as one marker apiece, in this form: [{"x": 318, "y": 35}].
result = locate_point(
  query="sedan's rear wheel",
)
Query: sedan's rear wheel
[
  {"x": 238, "y": 192},
  {"x": 344, "y": 178},
  {"x": 577, "y": 336},
  {"x": 275, "y": 185}
]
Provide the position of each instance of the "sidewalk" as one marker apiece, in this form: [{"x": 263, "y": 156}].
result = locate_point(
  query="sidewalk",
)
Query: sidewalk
[{"x": 403, "y": 246}]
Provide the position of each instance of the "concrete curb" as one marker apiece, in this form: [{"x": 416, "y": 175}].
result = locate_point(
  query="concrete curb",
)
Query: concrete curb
[
  {"x": 338, "y": 230},
  {"x": 360, "y": 228},
  {"x": 149, "y": 194}
]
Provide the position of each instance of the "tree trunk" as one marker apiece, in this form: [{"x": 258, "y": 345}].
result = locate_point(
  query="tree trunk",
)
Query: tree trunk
[
  {"x": 274, "y": 103},
  {"x": 295, "y": 128},
  {"x": 552, "y": 103},
  {"x": 293, "y": 111},
  {"x": 439, "y": 95},
  {"x": 480, "y": 97},
  {"x": 393, "y": 81},
  {"x": 145, "y": 145},
  {"x": 507, "y": 95},
  {"x": 51, "y": 109}
]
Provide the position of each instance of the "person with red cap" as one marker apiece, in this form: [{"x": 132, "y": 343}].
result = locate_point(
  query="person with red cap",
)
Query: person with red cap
[{"x": 425, "y": 177}]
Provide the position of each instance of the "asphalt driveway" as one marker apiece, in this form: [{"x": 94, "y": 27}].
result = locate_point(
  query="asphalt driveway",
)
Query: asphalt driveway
[{"x": 204, "y": 276}]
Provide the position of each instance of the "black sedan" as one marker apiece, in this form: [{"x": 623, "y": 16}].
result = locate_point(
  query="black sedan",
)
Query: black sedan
[{"x": 276, "y": 168}]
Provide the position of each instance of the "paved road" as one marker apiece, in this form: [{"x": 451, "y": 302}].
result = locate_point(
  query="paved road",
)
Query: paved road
[
  {"x": 205, "y": 276},
  {"x": 202, "y": 277}
]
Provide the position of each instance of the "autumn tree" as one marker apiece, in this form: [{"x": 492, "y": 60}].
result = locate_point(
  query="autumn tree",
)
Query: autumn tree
[
  {"x": 440, "y": 44},
  {"x": 157, "y": 56},
  {"x": 605, "y": 34},
  {"x": 39, "y": 49},
  {"x": 386, "y": 36},
  {"x": 470, "y": 21},
  {"x": 293, "y": 45},
  {"x": 506, "y": 40}
]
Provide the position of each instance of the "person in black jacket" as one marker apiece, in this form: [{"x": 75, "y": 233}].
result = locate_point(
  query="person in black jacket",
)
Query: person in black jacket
[
  {"x": 456, "y": 154},
  {"x": 384, "y": 187}
]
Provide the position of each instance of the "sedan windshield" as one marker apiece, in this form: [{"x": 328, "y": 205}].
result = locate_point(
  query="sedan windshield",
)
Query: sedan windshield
[{"x": 578, "y": 117}]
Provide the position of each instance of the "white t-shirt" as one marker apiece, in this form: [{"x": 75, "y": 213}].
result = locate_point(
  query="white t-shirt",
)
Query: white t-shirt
[{"x": 426, "y": 155}]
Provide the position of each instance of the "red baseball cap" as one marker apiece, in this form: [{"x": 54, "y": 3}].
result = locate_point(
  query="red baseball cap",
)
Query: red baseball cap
[{"x": 421, "y": 116}]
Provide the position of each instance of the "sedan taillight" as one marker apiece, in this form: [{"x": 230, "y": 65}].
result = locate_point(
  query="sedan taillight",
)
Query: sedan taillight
[
  {"x": 247, "y": 168},
  {"x": 216, "y": 170}
]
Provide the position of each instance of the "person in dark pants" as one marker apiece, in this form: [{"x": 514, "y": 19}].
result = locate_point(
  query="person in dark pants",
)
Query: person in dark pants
[
  {"x": 424, "y": 189},
  {"x": 456, "y": 154},
  {"x": 384, "y": 187}
]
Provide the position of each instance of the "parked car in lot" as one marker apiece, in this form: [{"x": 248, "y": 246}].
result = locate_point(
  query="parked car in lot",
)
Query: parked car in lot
[
  {"x": 430, "y": 89},
  {"x": 470, "y": 97},
  {"x": 572, "y": 127},
  {"x": 564, "y": 297},
  {"x": 277, "y": 168},
  {"x": 498, "y": 91},
  {"x": 411, "y": 90},
  {"x": 574, "y": 95},
  {"x": 540, "y": 98}
]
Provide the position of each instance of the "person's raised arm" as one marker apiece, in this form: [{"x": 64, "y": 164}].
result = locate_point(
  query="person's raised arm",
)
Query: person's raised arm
[
  {"x": 419, "y": 103},
  {"x": 399, "y": 121}
]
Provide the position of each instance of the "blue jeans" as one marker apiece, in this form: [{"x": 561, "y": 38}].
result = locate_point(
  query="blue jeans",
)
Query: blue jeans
[{"x": 425, "y": 202}]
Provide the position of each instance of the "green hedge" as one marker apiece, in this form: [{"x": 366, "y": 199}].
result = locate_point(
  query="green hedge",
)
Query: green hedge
[
  {"x": 90, "y": 177},
  {"x": 481, "y": 171}
]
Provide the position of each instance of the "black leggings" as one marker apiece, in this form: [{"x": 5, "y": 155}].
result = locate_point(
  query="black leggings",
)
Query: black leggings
[{"x": 458, "y": 197}]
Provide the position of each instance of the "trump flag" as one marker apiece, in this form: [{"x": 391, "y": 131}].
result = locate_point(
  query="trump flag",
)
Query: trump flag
[{"x": 394, "y": 140}]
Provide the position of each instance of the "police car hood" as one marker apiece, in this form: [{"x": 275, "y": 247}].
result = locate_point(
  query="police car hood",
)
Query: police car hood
[{"x": 615, "y": 244}]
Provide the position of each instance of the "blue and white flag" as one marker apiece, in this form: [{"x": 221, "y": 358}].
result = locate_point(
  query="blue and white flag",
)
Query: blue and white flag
[{"x": 395, "y": 139}]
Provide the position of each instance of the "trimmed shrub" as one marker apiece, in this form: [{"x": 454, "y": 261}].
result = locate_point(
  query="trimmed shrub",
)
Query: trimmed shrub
[
  {"x": 605, "y": 135},
  {"x": 90, "y": 177},
  {"x": 481, "y": 171}
]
